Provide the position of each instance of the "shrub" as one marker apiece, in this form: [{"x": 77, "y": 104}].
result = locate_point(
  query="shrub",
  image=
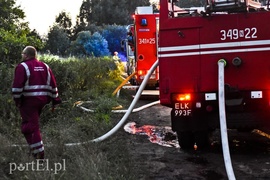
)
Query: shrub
[{"x": 78, "y": 79}]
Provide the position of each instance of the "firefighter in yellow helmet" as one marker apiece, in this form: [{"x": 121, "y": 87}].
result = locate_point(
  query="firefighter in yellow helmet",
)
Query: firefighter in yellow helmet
[{"x": 116, "y": 58}]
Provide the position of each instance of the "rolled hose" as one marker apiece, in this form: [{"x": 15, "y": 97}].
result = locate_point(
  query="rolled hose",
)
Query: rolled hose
[
  {"x": 223, "y": 124},
  {"x": 129, "y": 111}
]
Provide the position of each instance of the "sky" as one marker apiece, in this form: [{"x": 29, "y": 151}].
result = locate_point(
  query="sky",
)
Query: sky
[{"x": 41, "y": 14}]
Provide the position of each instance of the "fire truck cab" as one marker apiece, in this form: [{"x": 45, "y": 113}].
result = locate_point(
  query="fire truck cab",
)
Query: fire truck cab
[{"x": 190, "y": 45}]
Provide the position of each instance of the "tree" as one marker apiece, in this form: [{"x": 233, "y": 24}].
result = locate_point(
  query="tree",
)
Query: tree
[
  {"x": 87, "y": 11},
  {"x": 10, "y": 15},
  {"x": 14, "y": 33},
  {"x": 106, "y": 12},
  {"x": 58, "y": 41},
  {"x": 89, "y": 45},
  {"x": 114, "y": 34},
  {"x": 84, "y": 19},
  {"x": 97, "y": 46},
  {"x": 112, "y": 12},
  {"x": 64, "y": 21},
  {"x": 76, "y": 47},
  {"x": 132, "y": 5}
]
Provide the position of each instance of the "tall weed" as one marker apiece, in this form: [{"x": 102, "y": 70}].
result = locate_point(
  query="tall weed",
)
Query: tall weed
[{"x": 78, "y": 80}]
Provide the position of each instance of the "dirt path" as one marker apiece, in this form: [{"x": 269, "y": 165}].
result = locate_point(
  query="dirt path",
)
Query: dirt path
[{"x": 249, "y": 153}]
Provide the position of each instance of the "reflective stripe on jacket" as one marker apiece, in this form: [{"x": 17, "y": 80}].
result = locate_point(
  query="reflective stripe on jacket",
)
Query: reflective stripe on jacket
[{"x": 34, "y": 78}]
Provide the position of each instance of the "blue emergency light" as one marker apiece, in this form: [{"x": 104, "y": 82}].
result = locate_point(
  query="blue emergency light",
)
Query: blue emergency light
[{"x": 144, "y": 22}]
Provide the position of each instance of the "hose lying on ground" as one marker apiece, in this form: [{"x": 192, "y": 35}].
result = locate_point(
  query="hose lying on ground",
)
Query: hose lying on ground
[
  {"x": 124, "y": 118},
  {"x": 79, "y": 104}
]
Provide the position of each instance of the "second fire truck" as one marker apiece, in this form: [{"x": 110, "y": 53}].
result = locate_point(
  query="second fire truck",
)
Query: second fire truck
[{"x": 141, "y": 47}]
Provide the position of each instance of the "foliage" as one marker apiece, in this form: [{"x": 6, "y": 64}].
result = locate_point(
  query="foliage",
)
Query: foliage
[
  {"x": 58, "y": 41},
  {"x": 6, "y": 74},
  {"x": 90, "y": 45},
  {"x": 10, "y": 45},
  {"x": 92, "y": 79},
  {"x": 107, "y": 17},
  {"x": 14, "y": 34},
  {"x": 116, "y": 10},
  {"x": 108, "y": 12},
  {"x": 97, "y": 13},
  {"x": 78, "y": 79},
  {"x": 10, "y": 15},
  {"x": 114, "y": 34},
  {"x": 89, "y": 76},
  {"x": 97, "y": 46},
  {"x": 77, "y": 48},
  {"x": 7, "y": 108},
  {"x": 64, "y": 20}
]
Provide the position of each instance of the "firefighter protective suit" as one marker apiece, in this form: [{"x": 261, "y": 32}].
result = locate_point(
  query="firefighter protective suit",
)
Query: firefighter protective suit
[{"x": 33, "y": 87}]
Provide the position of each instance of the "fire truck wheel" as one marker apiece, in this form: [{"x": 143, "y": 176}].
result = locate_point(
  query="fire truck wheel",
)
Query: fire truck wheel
[{"x": 185, "y": 139}]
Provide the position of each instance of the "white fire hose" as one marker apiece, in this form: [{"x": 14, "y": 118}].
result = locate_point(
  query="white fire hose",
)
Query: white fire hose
[
  {"x": 223, "y": 124},
  {"x": 129, "y": 111},
  {"x": 120, "y": 110},
  {"x": 222, "y": 114}
]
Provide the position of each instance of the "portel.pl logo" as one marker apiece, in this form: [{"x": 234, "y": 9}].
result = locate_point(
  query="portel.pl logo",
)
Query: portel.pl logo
[{"x": 38, "y": 165}]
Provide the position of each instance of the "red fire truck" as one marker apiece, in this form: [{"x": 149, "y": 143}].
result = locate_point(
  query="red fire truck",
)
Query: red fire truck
[
  {"x": 142, "y": 41},
  {"x": 190, "y": 45}
]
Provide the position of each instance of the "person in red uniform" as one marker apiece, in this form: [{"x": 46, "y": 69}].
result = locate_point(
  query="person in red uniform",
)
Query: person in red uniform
[{"x": 34, "y": 86}]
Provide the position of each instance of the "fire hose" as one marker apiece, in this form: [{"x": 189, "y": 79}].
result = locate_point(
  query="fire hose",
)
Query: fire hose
[
  {"x": 119, "y": 110},
  {"x": 123, "y": 83},
  {"x": 223, "y": 124},
  {"x": 222, "y": 114},
  {"x": 129, "y": 111}
]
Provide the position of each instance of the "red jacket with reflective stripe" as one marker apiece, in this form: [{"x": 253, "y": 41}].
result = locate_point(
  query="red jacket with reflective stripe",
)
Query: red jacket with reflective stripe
[{"x": 33, "y": 79}]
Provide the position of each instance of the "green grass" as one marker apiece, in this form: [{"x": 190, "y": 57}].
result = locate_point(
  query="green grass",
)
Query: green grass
[{"x": 109, "y": 159}]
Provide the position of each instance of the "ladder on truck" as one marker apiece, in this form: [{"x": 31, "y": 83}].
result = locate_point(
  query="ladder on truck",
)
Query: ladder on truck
[{"x": 232, "y": 5}]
